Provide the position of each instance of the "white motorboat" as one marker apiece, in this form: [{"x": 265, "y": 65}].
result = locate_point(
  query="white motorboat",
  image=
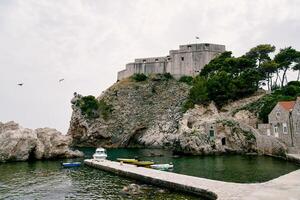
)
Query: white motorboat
[
  {"x": 162, "y": 166},
  {"x": 100, "y": 154}
]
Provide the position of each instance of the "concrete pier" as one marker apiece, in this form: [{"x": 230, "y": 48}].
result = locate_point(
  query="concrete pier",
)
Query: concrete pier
[{"x": 284, "y": 187}]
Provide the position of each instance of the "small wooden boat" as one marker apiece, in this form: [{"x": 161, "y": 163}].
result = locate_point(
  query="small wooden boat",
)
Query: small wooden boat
[
  {"x": 71, "y": 164},
  {"x": 162, "y": 166},
  {"x": 144, "y": 163},
  {"x": 127, "y": 160}
]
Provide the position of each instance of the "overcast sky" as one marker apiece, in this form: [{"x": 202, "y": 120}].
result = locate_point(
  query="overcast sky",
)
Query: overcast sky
[{"x": 87, "y": 42}]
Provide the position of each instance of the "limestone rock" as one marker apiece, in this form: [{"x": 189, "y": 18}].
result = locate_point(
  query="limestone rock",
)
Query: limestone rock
[
  {"x": 144, "y": 114},
  {"x": 148, "y": 114},
  {"x": 20, "y": 144}
]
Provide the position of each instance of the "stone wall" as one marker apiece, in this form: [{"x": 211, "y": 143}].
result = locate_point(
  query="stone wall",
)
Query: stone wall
[
  {"x": 279, "y": 118},
  {"x": 188, "y": 60},
  {"x": 296, "y": 123}
]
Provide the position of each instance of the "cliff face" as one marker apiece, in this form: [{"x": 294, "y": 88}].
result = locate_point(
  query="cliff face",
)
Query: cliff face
[
  {"x": 148, "y": 114},
  {"x": 143, "y": 114},
  {"x": 20, "y": 144}
]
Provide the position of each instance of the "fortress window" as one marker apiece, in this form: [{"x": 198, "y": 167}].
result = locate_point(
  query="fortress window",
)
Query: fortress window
[{"x": 182, "y": 58}]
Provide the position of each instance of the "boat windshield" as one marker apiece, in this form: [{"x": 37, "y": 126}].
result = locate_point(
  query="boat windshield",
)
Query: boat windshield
[{"x": 100, "y": 151}]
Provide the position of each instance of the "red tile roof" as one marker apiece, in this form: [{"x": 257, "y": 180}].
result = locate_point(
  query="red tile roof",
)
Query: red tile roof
[{"x": 287, "y": 105}]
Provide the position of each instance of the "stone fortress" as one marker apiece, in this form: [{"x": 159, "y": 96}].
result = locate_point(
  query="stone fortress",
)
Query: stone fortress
[{"x": 188, "y": 60}]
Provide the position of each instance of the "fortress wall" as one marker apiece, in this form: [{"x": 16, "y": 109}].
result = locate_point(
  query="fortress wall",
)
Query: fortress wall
[
  {"x": 151, "y": 59},
  {"x": 188, "y": 60},
  {"x": 122, "y": 74},
  {"x": 182, "y": 63},
  {"x": 202, "y": 47}
]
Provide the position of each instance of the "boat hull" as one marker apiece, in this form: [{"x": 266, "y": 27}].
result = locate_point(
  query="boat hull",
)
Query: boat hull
[{"x": 76, "y": 164}]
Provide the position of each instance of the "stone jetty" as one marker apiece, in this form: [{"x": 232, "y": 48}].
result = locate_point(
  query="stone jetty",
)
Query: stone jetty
[{"x": 284, "y": 187}]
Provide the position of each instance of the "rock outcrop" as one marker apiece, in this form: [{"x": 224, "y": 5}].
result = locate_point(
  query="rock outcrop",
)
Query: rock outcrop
[
  {"x": 148, "y": 114},
  {"x": 145, "y": 114},
  {"x": 21, "y": 144},
  {"x": 205, "y": 130}
]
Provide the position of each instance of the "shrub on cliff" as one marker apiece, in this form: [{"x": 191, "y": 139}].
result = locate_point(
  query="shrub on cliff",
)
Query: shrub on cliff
[
  {"x": 89, "y": 106},
  {"x": 139, "y": 77},
  {"x": 92, "y": 108},
  {"x": 105, "y": 109},
  {"x": 167, "y": 76},
  {"x": 186, "y": 79}
]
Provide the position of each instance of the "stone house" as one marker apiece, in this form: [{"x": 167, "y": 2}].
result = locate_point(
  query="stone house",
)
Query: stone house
[
  {"x": 284, "y": 123},
  {"x": 187, "y": 60}
]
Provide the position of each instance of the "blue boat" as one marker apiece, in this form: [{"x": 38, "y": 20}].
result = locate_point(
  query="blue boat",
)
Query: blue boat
[{"x": 71, "y": 164}]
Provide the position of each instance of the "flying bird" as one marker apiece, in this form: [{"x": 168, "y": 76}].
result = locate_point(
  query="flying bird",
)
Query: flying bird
[
  {"x": 60, "y": 80},
  {"x": 20, "y": 84}
]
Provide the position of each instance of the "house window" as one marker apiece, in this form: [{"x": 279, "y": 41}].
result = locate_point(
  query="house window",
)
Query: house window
[
  {"x": 276, "y": 130},
  {"x": 182, "y": 58},
  {"x": 277, "y": 114},
  {"x": 284, "y": 128}
]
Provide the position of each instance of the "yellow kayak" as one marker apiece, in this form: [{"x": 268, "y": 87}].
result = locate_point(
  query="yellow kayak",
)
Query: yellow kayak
[
  {"x": 127, "y": 160},
  {"x": 144, "y": 163}
]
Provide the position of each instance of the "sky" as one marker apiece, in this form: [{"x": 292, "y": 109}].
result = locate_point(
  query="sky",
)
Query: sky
[{"x": 87, "y": 42}]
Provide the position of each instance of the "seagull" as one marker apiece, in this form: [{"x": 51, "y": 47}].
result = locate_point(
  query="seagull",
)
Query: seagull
[
  {"x": 60, "y": 80},
  {"x": 20, "y": 84}
]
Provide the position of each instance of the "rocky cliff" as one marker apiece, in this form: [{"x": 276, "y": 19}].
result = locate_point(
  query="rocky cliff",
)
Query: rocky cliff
[
  {"x": 149, "y": 114},
  {"x": 20, "y": 144},
  {"x": 143, "y": 114}
]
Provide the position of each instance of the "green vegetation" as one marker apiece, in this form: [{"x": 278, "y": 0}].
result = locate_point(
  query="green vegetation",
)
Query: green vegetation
[
  {"x": 167, "y": 76},
  {"x": 186, "y": 79},
  {"x": 143, "y": 77},
  {"x": 139, "y": 77},
  {"x": 92, "y": 108},
  {"x": 227, "y": 78},
  {"x": 264, "y": 106}
]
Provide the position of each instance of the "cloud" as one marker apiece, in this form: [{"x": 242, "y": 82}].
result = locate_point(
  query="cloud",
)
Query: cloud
[{"x": 88, "y": 41}]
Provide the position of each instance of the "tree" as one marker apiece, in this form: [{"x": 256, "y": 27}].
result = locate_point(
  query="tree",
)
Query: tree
[
  {"x": 297, "y": 67},
  {"x": 269, "y": 68},
  {"x": 220, "y": 88},
  {"x": 198, "y": 93},
  {"x": 285, "y": 58},
  {"x": 261, "y": 53},
  {"x": 219, "y": 63}
]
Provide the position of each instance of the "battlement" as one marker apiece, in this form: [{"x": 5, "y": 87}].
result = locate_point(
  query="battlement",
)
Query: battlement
[{"x": 188, "y": 60}]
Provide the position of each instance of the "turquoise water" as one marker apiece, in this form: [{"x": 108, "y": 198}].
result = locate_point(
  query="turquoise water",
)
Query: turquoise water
[{"x": 47, "y": 180}]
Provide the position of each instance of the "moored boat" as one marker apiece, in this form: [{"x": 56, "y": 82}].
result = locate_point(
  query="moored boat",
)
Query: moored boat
[
  {"x": 144, "y": 163},
  {"x": 71, "y": 164},
  {"x": 100, "y": 154},
  {"x": 162, "y": 166},
  {"x": 127, "y": 160}
]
